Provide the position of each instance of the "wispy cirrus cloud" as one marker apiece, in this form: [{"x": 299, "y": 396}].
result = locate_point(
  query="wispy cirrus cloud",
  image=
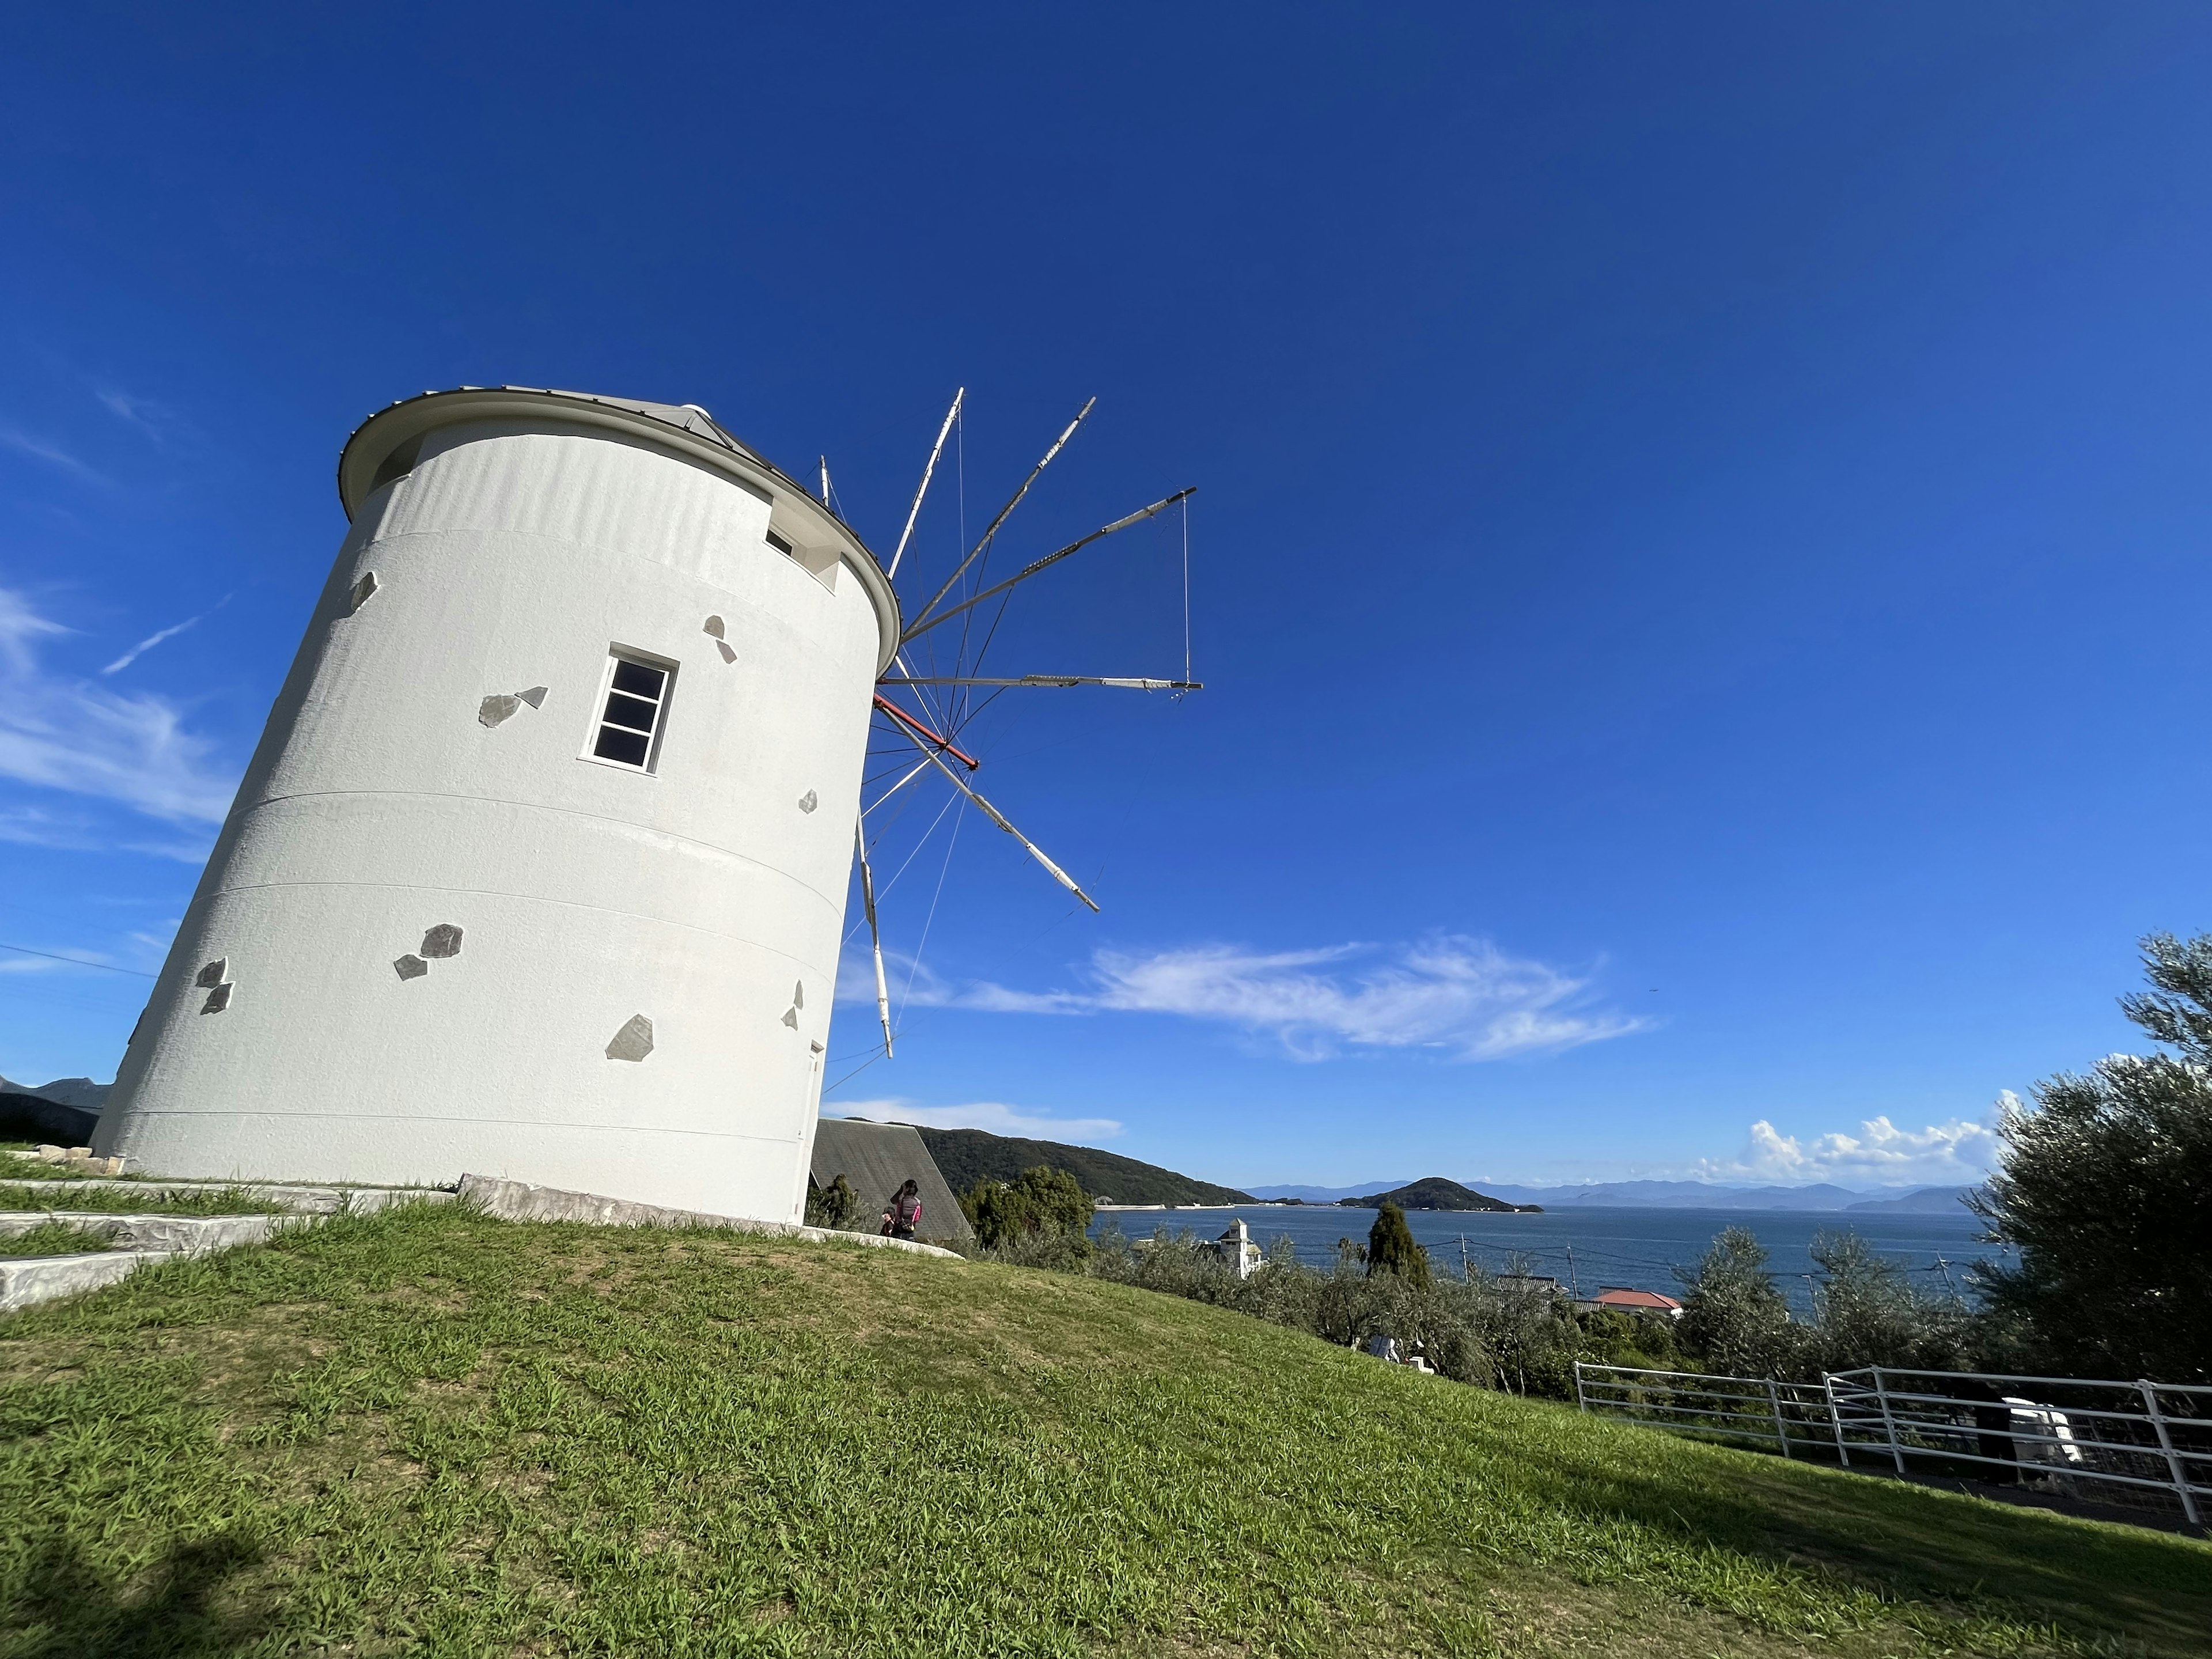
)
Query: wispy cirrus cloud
[
  {"x": 42, "y": 449},
  {"x": 153, "y": 418},
  {"x": 998, "y": 1119},
  {"x": 1461, "y": 996},
  {"x": 59, "y": 732},
  {"x": 1957, "y": 1152}
]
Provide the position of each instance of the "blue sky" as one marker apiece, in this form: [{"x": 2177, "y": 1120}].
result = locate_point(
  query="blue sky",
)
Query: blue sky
[{"x": 1699, "y": 563}]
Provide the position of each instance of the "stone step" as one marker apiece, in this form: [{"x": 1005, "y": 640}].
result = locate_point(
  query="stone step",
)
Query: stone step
[
  {"x": 28, "y": 1281},
  {"x": 141, "y": 1241},
  {"x": 300, "y": 1199},
  {"x": 189, "y": 1234}
]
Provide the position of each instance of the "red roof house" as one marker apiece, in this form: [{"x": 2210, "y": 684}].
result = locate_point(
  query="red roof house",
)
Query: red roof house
[{"x": 1621, "y": 1299}]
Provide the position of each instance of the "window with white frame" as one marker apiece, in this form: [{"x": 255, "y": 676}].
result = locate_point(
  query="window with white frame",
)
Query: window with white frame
[{"x": 632, "y": 710}]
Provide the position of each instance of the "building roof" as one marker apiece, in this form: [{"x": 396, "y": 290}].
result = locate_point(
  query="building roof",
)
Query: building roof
[
  {"x": 686, "y": 428},
  {"x": 1620, "y": 1296},
  {"x": 875, "y": 1159}
]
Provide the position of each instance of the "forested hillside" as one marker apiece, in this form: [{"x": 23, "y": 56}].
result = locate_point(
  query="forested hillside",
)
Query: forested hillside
[{"x": 967, "y": 1156}]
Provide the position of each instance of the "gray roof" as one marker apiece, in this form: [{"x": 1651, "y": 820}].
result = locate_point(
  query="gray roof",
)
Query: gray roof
[
  {"x": 876, "y": 1159},
  {"x": 689, "y": 416}
]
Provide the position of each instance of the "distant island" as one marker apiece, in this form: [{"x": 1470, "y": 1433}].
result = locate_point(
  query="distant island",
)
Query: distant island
[{"x": 1435, "y": 1192}]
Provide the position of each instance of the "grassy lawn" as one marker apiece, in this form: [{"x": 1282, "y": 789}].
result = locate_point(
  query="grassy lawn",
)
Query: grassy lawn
[{"x": 426, "y": 1432}]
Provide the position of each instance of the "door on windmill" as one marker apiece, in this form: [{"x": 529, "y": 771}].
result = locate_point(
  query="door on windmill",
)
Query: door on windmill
[{"x": 632, "y": 710}]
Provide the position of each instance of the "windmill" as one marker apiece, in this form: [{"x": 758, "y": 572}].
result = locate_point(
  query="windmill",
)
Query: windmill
[{"x": 920, "y": 717}]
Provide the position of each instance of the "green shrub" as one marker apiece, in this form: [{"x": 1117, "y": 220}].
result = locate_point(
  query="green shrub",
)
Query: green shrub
[
  {"x": 837, "y": 1207},
  {"x": 1041, "y": 1201}
]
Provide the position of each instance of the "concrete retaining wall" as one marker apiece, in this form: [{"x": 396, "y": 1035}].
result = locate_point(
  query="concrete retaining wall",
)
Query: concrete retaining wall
[{"x": 517, "y": 1201}]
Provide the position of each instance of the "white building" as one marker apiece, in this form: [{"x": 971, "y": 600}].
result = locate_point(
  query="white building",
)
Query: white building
[{"x": 539, "y": 870}]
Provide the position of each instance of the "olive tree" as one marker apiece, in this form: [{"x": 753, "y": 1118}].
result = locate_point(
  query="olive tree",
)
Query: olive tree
[
  {"x": 2104, "y": 1190},
  {"x": 1735, "y": 1318}
]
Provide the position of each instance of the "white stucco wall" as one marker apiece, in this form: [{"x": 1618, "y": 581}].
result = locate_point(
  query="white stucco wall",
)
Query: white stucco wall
[{"x": 515, "y": 555}]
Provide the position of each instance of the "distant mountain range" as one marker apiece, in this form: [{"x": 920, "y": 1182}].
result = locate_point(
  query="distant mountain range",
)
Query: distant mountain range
[
  {"x": 78, "y": 1091},
  {"x": 1672, "y": 1195},
  {"x": 1434, "y": 1193},
  {"x": 1928, "y": 1200}
]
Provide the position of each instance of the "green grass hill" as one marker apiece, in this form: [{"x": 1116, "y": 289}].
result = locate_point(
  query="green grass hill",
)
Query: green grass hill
[
  {"x": 430, "y": 1432},
  {"x": 1435, "y": 1192},
  {"x": 967, "y": 1156}
]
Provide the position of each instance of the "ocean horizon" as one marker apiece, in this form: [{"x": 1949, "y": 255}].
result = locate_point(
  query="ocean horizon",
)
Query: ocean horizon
[{"x": 1587, "y": 1248}]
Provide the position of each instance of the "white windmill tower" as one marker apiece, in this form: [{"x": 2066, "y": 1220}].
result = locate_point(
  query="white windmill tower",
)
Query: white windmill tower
[{"x": 539, "y": 869}]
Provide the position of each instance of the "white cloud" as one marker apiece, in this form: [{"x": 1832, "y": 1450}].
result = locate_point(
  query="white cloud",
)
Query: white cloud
[
  {"x": 61, "y": 732},
  {"x": 1461, "y": 996},
  {"x": 999, "y": 1120},
  {"x": 1959, "y": 1151}
]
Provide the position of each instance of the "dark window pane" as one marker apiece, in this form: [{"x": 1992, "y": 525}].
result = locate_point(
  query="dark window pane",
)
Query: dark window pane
[
  {"x": 630, "y": 712},
  {"x": 638, "y": 680},
  {"x": 617, "y": 744}
]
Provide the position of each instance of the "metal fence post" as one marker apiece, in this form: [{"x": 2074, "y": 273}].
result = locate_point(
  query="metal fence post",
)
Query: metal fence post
[
  {"x": 1888, "y": 1422},
  {"x": 1581, "y": 1399},
  {"x": 1836, "y": 1420},
  {"x": 1774, "y": 1399},
  {"x": 2173, "y": 1463}
]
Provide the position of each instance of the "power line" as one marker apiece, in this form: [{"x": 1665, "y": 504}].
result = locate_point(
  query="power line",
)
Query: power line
[{"x": 107, "y": 967}]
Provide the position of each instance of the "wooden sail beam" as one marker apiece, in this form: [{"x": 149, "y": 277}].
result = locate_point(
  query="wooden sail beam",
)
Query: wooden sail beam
[
  {"x": 927, "y": 472},
  {"x": 953, "y": 580},
  {"x": 875, "y": 936},
  {"x": 926, "y": 622},
  {"x": 930, "y": 741},
  {"x": 1047, "y": 679},
  {"x": 1001, "y": 820}
]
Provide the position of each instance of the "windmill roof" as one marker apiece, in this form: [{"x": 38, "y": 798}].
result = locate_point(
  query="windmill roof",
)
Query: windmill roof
[{"x": 684, "y": 427}]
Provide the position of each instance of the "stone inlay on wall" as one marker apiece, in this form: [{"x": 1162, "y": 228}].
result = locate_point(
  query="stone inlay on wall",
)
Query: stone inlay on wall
[
  {"x": 714, "y": 631},
  {"x": 214, "y": 978},
  {"x": 501, "y": 706},
  {"x": 443, "y": 941},
  {"x": 362, "y": 591},
  {"x": 634, "y": 1040}
]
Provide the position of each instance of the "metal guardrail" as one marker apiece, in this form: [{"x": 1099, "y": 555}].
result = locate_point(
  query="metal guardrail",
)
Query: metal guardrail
[
  {"x": 2124, "y": 1442},
  {"x": 1784, "y": 1417}
]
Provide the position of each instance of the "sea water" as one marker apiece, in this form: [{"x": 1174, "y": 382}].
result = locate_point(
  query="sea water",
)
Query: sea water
[{"x": 1586, "y": 1249}]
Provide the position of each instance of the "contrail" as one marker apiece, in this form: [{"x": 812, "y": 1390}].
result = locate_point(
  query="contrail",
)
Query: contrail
[{"x": 153, "y": 640}]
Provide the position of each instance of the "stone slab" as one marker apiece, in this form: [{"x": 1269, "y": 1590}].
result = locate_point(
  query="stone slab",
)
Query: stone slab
[
  {"x": 28, "y": 1280},
  {"x": 300, "y": 1199},
  {"x": 183, "y": 1235},
  {"x": 517, "y": 1201}
]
